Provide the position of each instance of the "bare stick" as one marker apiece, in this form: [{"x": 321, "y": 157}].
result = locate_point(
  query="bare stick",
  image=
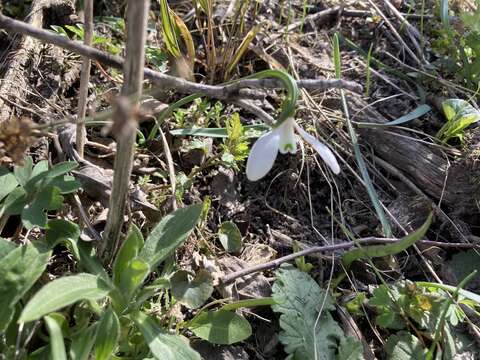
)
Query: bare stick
[
  {"x": 221, "y": 92},
  {"x": 84, "y": 79},
  {"x": 125, "y": 123},
  {"x": 328, "y": 248}
]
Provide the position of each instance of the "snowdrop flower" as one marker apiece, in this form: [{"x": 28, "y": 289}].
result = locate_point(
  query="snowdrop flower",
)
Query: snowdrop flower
[{"x": 283, "y": 139}]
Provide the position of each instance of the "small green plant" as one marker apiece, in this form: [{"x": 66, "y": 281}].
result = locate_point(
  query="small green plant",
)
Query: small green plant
[
  {"x": 31, "y": 191},
  {"x": 459, "y": 114},
  {"x": 94, "y": 313},
  {"x": 235, "y": 149}
]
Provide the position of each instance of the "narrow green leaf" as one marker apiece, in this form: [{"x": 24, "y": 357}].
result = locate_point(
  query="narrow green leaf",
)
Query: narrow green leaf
[
  {"x": 249, "y": 303},
  {"x": 19, "y": 270},
  {"x": 108, "y": 332},
  {"x": 221, "y": 327},
  {"x": 414, "y": 114},
  {"x": 62, "y": 292},
  {"x": 163, "y": 345},
  {"x": 57, "y": 346},
  {"x": 444, "y": 17},
  {"x": 356, "y": 147},
  {"x": 451, "y": 289},
  {"x": 170, "y": 233},
  {"x": 82, "y": 343},
  {"x": 385, "y": 250},
  {"x": 218, "y": 132},
  {"x": 194, "y": 293},
  {"x": 230, "y": 237},
  {"x": 129, "y": 250}
]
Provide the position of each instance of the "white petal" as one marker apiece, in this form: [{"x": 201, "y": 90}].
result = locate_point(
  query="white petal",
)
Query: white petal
[
  {"x": 288, "y": 142},
  {"x": 262, "y": 155},
  {"x": 325, "y": 153}
]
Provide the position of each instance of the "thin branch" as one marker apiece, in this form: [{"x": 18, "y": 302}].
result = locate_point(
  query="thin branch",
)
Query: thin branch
[
  {"x": 221, "y": 92},
  {"x": 84, "y": 79},
  {"x": 125, "y": 124},
  {"x": 329, "y": 248}
]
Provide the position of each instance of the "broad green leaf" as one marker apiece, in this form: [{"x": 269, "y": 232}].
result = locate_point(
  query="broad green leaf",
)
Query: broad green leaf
[
  {"x": 67, "y": 184},
  {"x": 350, "y": 349},
  {"x": 82, "y": 343},
  {"x": 62, "y": 292},
  {"x": 221, "y": 327},
  {"x": 460, "y": 114},
  {"x": 172, "y": 231},
  {"x": 129, "y": 250},
  {"x": 108, "y": 332},
  {"x": 34, "y": 214},
  {"x": 6, "y": 247},
  {"x": 305, "y": 334},
  {"x": 230, "y": 237},
  {"x": 163, "y": 345},
  {"x": 58, "y": 231},
  {"x": 62, "y": 169},
  {"x": 57, "y": 345},
  {"x": 192, "y": 293},
  {"x": 8, "y": 183},
  {"x": 385, "y": 250},
  {"x": 19, "y": 270},
  {"x": 15, "y": 201},
  {"x": 23, "y": 173},
  {"x": 404, "y": 346},
  {"x": 133, "y": 276},
  {"x": 464, "y": 263},
  {"x": 256, "y": 130}
]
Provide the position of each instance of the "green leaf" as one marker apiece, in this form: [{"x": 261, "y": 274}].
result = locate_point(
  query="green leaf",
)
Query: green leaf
[
  {"x": 15, "y": 201},
  {"x": 8, "y": 183},
  {"x": 412, "y": 115},
  {"x": 388, "y": 317},
  {"x": 129, "y": 250},
  {"x": 57, "y": 346},
  {"x": 172, "y": 231},
  {"x": 6, "y": 247},
  {"x": 350, "y": 349},
  {"x": 163, "y": 345},
  {"x": 464, "y": 263},
  {"x": 230, "y": 237},
  {"x": 298, "y": 299},
  {"x": 133, "y": 276},
  {"x": 256, "y": 130},
  {"x": 194, "y": 293},
  {"x": 62, "y": 292},
  {"x": 82, "y": 343},
  {"x": 221, "y": 327},
  {"x": 67, "y": 184},
  {"x": 404, "y": 346},
  {"x": 385, "y": 250},
  {"x": 23, "y": 173},
  {"x": 58, "y": 231},
  {"x": 452, "y": 289},
  {"x": 460, "y": 114},
  {"x": 248, "y": 303},
  {"x": 108, "y": 332},
  {"x": 19, "y": 270}
]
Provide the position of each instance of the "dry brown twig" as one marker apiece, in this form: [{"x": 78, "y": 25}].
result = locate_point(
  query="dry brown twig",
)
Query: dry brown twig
[
  {"x": 125, "y": 124},
  {"x": 84, "y": 79}
]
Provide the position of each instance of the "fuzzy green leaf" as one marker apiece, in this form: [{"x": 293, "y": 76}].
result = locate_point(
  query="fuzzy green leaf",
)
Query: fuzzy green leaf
[
  {"x": 404, "y": 346},
  {"x": 129, "y": 250},
  {"x": 194, "y": 293},
  {"x": 8, "y": 182},
  {"x": 62, "y": 292},
  {"x": 221, "y": 327},
  {"x": 57, "y": 345},
  {"x": 172, "y": 231},
  {"x": 108, "y": 332},
  {"x": 58, "y": 231},
  {"x": 19, "y": 270},
  {"x": 163, "y": 345}
]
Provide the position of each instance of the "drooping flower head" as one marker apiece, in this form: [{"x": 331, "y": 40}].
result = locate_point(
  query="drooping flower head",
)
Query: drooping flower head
[{"x": 282, "y": 138}]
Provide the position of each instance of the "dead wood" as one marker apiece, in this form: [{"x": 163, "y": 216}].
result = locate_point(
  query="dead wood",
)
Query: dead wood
[
  {"x": 24, "y": 52},
  {"x": 453, "y": 181}
]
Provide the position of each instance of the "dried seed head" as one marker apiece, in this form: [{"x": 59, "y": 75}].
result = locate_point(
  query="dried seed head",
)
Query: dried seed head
[{"x": 16, "y": 136}]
